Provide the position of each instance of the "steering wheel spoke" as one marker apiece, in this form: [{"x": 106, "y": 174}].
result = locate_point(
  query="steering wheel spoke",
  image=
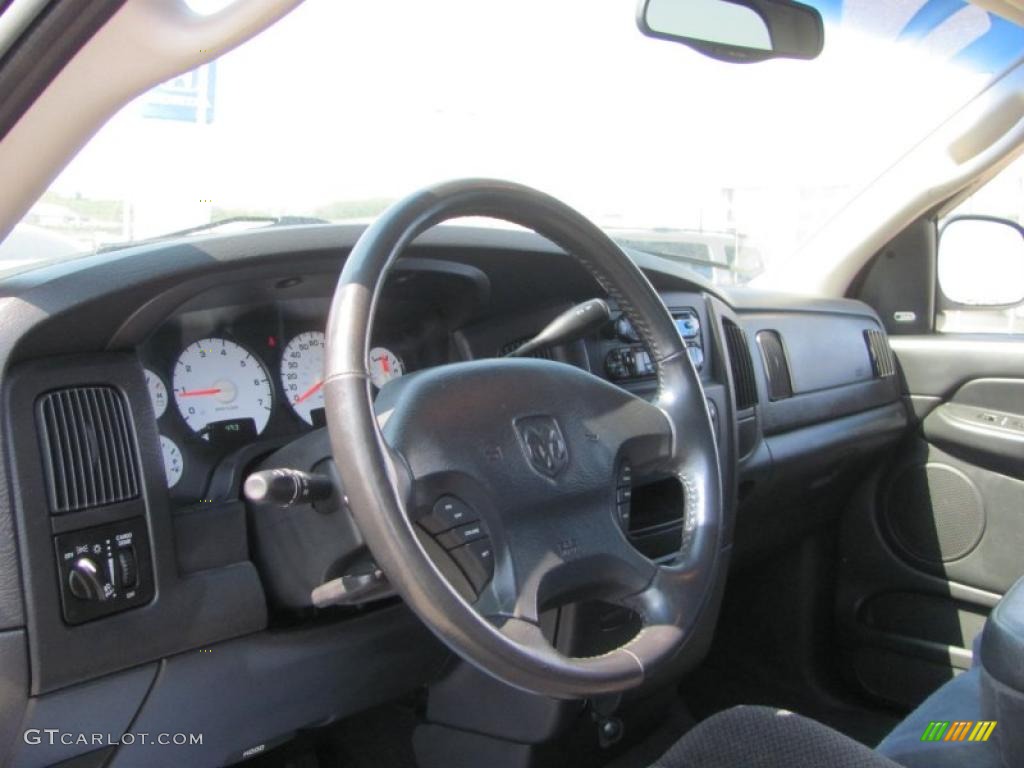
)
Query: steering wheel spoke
[{"x": 570, "y": 549}]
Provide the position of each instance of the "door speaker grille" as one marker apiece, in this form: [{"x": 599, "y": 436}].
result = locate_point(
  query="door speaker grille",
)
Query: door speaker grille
[{"x": 935, "y": 513}]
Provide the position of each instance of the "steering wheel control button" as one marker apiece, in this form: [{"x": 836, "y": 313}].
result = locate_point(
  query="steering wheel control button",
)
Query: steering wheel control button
[
  {"x": 476, "y": 560},
  {"x": 624, "y": 493},
  {"x": 625, "y": 478},
  {"x": 462, "y": 535},
  {"x": 448, "y": 512}
]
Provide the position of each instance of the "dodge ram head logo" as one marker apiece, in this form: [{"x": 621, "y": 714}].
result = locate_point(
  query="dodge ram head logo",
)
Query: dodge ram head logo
[{"x": 543, "y": 444}]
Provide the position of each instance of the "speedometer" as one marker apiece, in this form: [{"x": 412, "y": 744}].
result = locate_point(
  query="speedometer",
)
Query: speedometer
[
  {"x": 218, "y": 380},
  {"x": 302, "y": 374}
]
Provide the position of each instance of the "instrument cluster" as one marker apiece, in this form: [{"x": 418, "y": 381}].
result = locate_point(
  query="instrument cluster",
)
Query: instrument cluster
[{"x": 226, "y": 379}]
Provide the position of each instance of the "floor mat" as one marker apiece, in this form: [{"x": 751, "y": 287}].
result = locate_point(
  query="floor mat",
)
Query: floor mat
[
  {"x": 378, "y": 738},
  {"x": 675, "y": 724}
]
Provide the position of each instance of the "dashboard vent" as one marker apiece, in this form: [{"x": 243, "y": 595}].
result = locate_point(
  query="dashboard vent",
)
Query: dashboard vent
[
  {"x": 742, "y": 366},
  {"x": 882, "y": 361},
  {"x": 88, "y": 448},
  {"x": 780, "y": 385},
  {"x": 512, "y": 346}
]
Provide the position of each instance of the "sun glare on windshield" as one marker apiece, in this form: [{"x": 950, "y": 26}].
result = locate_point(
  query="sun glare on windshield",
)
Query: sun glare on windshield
[
  {"x": 208, "y": 7},
  {"x": 341, "y": 108}
]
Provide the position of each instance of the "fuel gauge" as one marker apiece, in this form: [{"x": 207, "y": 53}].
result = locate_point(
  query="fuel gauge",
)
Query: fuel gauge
[{"x": 174, "y": 464}]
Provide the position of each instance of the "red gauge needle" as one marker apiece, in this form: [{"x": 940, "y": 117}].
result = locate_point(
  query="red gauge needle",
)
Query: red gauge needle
[
  {"x": 200, "y": 392},
  {"x": 385, "y": 365},
  {"x": 309, "y": 392}
]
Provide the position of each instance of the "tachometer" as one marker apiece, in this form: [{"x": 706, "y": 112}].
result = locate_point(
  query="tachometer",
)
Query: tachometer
[
  {"x": 218, "y": 380},
  {"x": 174, "y": 465},
  {"x": 385, "y": 365},
  {"x": 157, "y": 392},
  {"x": 302, "y": 374}
]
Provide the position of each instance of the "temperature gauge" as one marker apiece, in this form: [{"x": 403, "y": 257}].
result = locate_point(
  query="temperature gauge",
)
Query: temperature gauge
[{"x": 385, "y": 365}]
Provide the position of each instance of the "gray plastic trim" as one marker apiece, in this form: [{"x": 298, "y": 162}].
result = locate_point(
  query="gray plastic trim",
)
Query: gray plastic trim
[
  {"x": 105, "y": 707},
  {"x": 250, "y": 692}
]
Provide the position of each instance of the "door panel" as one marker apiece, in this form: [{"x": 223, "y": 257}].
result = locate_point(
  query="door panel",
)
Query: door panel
[
  {"x": 935, "y": 537},
  {"x": 983, "y": 423}
]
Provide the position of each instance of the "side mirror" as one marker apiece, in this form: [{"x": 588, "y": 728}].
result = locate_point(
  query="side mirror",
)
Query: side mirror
[
  {"x": 981, "y": 261},
  {"x": 736, "y": 30}
]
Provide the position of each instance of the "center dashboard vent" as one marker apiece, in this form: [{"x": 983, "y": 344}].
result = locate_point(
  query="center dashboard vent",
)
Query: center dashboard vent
[
  {"x": 776, "y": 367},
  {"x": 882, "y": 361},
  {"x": 742, "y": 366},
  {"x": 89, "y": 448}
]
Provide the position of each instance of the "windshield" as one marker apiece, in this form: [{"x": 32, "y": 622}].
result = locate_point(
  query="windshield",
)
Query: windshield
[{"x": 343, "y": 107}]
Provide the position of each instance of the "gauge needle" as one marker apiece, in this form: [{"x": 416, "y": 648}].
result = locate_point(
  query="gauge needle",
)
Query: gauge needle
[
  {"x": 200, "y": 392},
  {"x": 309, "y": 392}
]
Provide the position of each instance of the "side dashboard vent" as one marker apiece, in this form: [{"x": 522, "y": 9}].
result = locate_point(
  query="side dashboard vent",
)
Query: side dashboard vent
[
  {"x": 742, "y": 366},
  {"x": 512, "y": 346},
  {"x": 776, "y": 367},
  {"x": 88, "y": 444},
  {"x": 882, "y": 361}
]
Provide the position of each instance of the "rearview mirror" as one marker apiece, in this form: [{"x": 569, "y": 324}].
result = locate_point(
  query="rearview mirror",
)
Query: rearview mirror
[
  {"x": 981, "y": 261},
  {"x": 736, "y": 30}
]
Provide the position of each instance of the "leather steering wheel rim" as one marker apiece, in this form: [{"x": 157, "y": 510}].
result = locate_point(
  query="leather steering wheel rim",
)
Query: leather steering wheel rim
[{"x": 381, "y": 458}]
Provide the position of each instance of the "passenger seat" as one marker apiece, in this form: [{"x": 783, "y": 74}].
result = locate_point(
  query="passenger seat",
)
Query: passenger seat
[{"x": 993, "y": 690}]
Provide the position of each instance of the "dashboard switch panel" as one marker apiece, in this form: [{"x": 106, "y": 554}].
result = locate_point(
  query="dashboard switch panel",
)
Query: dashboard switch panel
[
  {"x": 104, "y": 570},
  {"x": 635, "y": 362}
]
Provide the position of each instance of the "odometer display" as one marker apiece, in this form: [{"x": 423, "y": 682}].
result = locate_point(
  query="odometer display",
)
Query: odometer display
[
  {"x": 302, "y": 374},
  {"x": 216, "y": 380}
]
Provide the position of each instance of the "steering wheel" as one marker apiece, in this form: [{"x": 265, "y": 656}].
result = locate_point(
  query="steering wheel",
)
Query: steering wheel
[{"x": 536, "y": 449}]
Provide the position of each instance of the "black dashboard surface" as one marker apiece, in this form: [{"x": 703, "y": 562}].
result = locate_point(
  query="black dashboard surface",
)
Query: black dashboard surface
[{"x": 460, "y": 293}]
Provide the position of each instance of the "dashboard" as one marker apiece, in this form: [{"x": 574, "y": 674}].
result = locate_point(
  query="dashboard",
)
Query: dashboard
[
  {"x": 207, "y": 355},
  {"x": 235, "y": 370}
]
